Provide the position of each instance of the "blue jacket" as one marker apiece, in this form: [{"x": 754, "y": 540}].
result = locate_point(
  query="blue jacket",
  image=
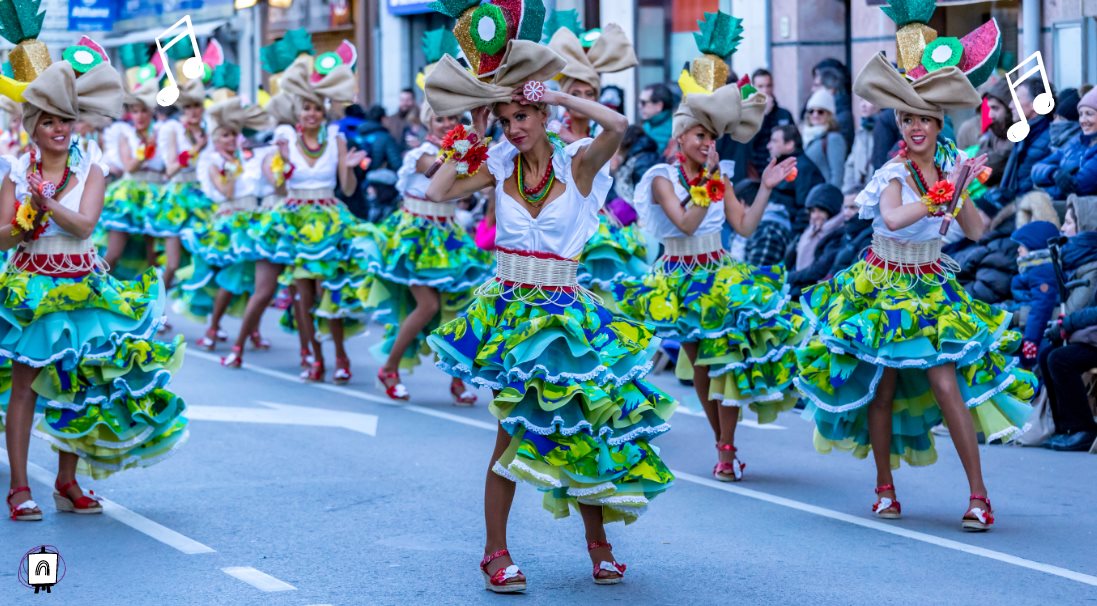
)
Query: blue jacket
[
  {"x": 1071, "y": 170},
  {"x": 1017, "y": 176},
  {"x": 1035, "y": 287}
]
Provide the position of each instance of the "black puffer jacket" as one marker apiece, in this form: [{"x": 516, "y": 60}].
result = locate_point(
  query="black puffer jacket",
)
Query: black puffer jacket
[
  {"x": 987, "y": 267},
  {"x": 825, "y": 253},
  {"x": 856, "y": 237}
]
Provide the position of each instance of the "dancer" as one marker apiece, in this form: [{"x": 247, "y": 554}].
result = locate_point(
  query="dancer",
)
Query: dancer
[
  {"x": 616, "y": 252},
  {"x": 732, "y": 319},
  {"x": 575, "y": 416},
  {"x": 422, "y": 266},
  {"x": 222, "y": 267},
  {"x": 899, "y": 345},
  {"x": 181, "y": 203},
  {"x": 310, "y": 230},
  {"x": 131, "y": 199},
  {"x": 79, "y": 341}
]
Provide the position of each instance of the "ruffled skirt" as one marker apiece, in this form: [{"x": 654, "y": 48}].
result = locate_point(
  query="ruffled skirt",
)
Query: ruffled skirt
[
  {"x": 741, "y": 318},
  {"x": 571, "y": 393},
  {"x": 614, "y": 254},
  {"x": 912, "y": 324},
  {"x": 180, "y": 205},
  {"x": 222, "y": 257},
  {"x": 102, "y": 389},
  {"x": 127, "y": 205}
]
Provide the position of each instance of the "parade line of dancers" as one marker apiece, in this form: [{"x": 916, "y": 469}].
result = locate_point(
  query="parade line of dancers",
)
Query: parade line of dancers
[{"x": 560, "y": 323}]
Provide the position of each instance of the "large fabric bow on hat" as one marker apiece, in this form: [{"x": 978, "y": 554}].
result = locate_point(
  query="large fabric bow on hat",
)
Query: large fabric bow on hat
[
  {"x": 234, "y": 115},
  {"x": 337, "y": 86},
  {"x": 931, "y": 95},
  {"x": 144, "y": 94},
  {"x": 95, "y": 94},
  {"x": 723, "y": 112},
  {"x": 451, "y": 89},
  {"x": 191, "y": 92},
  {"x": 611, "y": 52}
]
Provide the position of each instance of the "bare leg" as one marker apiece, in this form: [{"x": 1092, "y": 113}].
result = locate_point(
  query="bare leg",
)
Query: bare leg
[
  {"x": 301, "y": 338},
  {"x": 879, "y": 430},
  {"x": 66, "y": 472},
  {"x": 701, "y": 386},
  {"x": 427, "y": 304},
  {"x": 150, "y": 251},
  {"x": 116, "y": 245},
  {"x": 173, "y": 253},
  {"x": 220, "y": 306},
  {"x": 498, "y": 497},
  {"x": 942, "y": 380},
  {"x": 266, "y": 282},
  {"x": 20, "y": 418},
  {"x": 596, "y": 531},
  {"x": 306, "y": 300}
]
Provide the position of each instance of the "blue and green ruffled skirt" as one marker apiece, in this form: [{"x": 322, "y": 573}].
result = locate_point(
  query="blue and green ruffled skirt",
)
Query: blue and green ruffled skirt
[
  {"x": 614, "y": 254},
  {"x": 568, "y": 376},
  {"x": 222, "y": 257},
  {"x": 741, "y": 318},
  {"x": 127, "y": 205},
  {"x": 180, "y": 205},
  {"x": 914, "y": 324},
  {"x": 409, "y": 250},
  {"x": 102, "y": 389}
]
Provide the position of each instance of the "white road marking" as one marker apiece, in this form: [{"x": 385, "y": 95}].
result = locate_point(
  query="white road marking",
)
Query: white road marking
[
  {"x": 753, "y": 494},
  {"x": 257, "y": 579},
  {"x": 285, "y": 414},
  {"x": 130, "y": 518}
]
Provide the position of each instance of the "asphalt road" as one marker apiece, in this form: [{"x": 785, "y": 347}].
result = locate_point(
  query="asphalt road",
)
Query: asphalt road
[{"x": 289, "y": 493}]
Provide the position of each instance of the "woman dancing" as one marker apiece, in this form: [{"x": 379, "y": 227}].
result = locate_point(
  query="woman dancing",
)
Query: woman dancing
[
  {"x": 899, "y": 345},
  {"x": 79, "y": 341},
  {"x": 575, "y": 416}
]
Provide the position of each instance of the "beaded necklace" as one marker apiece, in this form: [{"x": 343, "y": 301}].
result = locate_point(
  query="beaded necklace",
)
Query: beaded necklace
[
  {"x": 920, "y": 179},
  {"x": 321, "y": 141},
  {"x": 535, "y": 196},
  {"x": 64, "y": 177}
]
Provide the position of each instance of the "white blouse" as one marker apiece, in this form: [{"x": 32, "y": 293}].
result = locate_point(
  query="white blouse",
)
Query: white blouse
[
  {"x": 245, "y": 182},
  {"x": 409, "y": 181},
  {"x": 174, "y": 132},
  {"x": 565, "y": 224},
  {"x": 321, "y": 175},
  {"x": 925, "y": 229},
  {"x": 654, "y": 218},
  {"x": 90, "y": 160}
]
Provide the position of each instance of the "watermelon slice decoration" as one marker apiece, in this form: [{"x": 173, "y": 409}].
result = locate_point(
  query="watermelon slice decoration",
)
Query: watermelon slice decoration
[
  {"x": 146, "y": 72},
  {"x": 93, "y": 45},
  {"x": 323, "y": 65},
  {"x": 942, "y": 53},
  {"x": 327, "y": 62},
  {"x": 982, "y": 51},
  {"x": 746, "y": 89},
  {"x": 214, "y": 55}
]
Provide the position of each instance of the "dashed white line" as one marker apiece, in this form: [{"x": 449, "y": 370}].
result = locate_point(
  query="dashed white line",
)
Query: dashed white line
[
  {"x": 130, "y": 518},
  {"x": 258, "y": 579},
  {"x": 991, "y": 554}
]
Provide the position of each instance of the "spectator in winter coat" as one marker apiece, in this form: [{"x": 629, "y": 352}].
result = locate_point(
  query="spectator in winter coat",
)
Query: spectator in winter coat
[
  {"x": 858, "y": 167},
  {"x": 378, "y": 181},
  {"x": 1017, "y": 176},
  {"x": 810, "y": 260},
  {"x": 639, "y": 152},
  {"x": 987, "y": 266},
  {"x": 823, "y": 143},
  {"x": 785, "y": 142},
  {"x": 993, "y": 142},
  {"x": 885, "y": 138},
  {"x": 1073, "y": 169},
  {"x": 1064, "y": 126},
  {"x": 833, "y": 76},
  {"x": 657, "y": 111},
  {"x": 775, "y": 116},
  {"x": 1034, "y": 288},
  {"x": 1076, "y": 351},
  {"x": 769, "y": 242},
  {"x": 856, "y": 238}
]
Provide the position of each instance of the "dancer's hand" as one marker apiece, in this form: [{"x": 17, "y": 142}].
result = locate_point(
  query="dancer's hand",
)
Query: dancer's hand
[
  {"x": 775, "y": 173},
  {"x": 480, "y": 117},
  {"x": 977, "y": 165},
  {"x": 354, "y": 157}
]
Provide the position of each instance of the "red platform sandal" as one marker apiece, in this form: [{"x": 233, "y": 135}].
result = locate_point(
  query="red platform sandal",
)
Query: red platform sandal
[
  {"x": 462, "y": 395},
  {"x": 209, "y": 341},
  {"x": 731, "y": 471},
  {"x": 342, "y": 374},
  {"x": 86, "y": 504},
  {"x": 887, "y": 507},
  {"x": 395, "y": 391},
  {"x": 27, "y": 511},
  {"x": 977, "y": 519},
  {"x": 612, "y": 572},
  {"x": 315, "y": 373},
  {"x": 258, "y": 342},
  {"x": 234, "y": 359},
  {"x": 508, "y": 579}
]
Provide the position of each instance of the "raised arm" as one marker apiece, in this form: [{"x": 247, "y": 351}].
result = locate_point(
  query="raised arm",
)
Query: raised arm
[
  {"x": 80, "y": 223},
  {"x": 591, "y": 160},
  {"x": 445, "y": 185},
  {"x": 348, "y": 160},
  {"x": 686, "y": 218},
  {"x": 743, "y": 219}
]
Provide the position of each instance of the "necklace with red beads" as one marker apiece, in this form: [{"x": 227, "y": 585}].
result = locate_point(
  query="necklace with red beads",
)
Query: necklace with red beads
[{"x": 536, "y": 195}]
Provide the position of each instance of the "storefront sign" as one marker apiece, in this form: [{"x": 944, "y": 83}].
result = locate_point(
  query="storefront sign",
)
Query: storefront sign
[
  {"x": 409, "y": 7},
  {"x": 92, "y": 15}
]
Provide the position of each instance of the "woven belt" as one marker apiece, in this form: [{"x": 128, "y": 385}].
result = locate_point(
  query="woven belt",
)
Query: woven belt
[
  {"x": 243, "y": 203},
  {"x": 186, "y": 175},
  {"x": 428, "y": 209},
  {"x": 269, "y": 201},
  {"x": 58, "y": 245},
  {"x": 309, "y": 195},
  {"x": 692, "y": 246},
  {"x": 523, "y": 268},
  {"x": 904, "y": 253},
  {"x": 150, "y": 176}
]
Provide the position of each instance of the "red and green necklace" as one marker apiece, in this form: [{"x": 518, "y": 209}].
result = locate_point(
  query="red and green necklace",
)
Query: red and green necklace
[
  {"x": 321, "y": 141},
  {"x": 535, "y": 196}
]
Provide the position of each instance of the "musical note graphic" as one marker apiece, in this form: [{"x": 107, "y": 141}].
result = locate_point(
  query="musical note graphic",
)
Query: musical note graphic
[
  {"x": 192, "y": 67},
  {"x": 1042, "y": 104}
]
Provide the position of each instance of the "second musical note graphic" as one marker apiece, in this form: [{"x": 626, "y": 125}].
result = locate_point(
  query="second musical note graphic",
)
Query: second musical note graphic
[
  {"x": 192, "y": 67},
  {"x": 1042, "y": 103}
]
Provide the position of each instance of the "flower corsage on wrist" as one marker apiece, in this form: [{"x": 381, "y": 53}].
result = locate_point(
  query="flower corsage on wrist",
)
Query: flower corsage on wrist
[
  {"x": 26, "y": 220},
  {"x": 466, "y": 150},
  {"x": 938, "y": 198},
  {"x": 232, "y": 169},
  {"x": 281, "y": 169}
]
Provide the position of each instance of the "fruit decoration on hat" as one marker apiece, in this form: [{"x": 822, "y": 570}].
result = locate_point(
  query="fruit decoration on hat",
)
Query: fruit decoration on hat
[
  {"x": 20, "y": 24},
  {"x": 279, "y": 55},
  {"x": 437, "y": 43},
  {"x": 483, "y": 30},
  {"x": 718, "y": 38},
  {"x": 344, "y": 54}
]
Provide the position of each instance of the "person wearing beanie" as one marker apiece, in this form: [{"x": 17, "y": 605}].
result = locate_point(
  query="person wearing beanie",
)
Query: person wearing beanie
[
  {"x": 993, "y": 141},
  {"x": 824, "y": 208},
  {"x": 1064, "y": 126},
  {"x": 1035, "y": 291},
  {"x": 1017, "y": 176},
  {"x": 824, "y": 144},
  {"x": 1073, "y": 168},
  {"x": 86, "y": 372}
]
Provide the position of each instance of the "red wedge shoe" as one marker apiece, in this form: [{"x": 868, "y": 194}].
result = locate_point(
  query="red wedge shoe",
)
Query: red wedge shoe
[
  {"x": 508, "y": 579},
  {"x": 612, "y": 572},
  {"x": 86, "y": 504}
]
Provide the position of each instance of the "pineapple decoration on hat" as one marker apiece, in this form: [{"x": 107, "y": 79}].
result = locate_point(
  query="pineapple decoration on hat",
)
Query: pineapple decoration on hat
[{"x": 437, "y": 43}]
